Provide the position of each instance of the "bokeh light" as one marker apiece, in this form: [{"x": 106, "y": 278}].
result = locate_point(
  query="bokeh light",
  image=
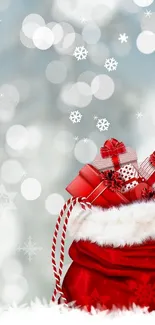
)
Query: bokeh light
[
  {"x": 31, "y": 189},
  {"x": 102, "y": 87},
  {"x": 34, "y": 137},
  {"x": 7, "y": 109},
  {"x": 15, "y": 292},
  {"x": 43, "y": 38},
  {"x": 57, "y": 31},
  {"x": 33, "y": 18},
  {"x": 54, "y": 203},
  {"x": 98, "y": 53},
  {"x": 86, "y": 77},
  {"x": 9, "y": 234},
  {"x": 12, "y": 171},
  {"x": 85, "y": 151},
  {"x": 23, "y": 88},
  {"x": 91, "y": 33},
  {"x": 27, "y": 42},
  {"x": 63, "y": 142},
  {"x": 56, "y": 72},
  {"x": 101, "y": 13},
  {"x": 78, "y": 94},
  {"x": 146, "y": 42},
  {"x": 17, "y": 137},
  {"x": 143, "y": 3},
  {"x": 64, "y": 45},
  {"x": 11, "y": 268},
  {"x": 10, "y": 92}
]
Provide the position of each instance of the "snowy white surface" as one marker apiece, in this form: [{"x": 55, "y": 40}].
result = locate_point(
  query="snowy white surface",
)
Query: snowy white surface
[{"x": 38, "y": 313}]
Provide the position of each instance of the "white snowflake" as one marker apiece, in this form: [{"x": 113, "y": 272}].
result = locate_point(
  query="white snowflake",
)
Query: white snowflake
[
  {"x": 123, "y": 38},
  {"x": 148, "y": 13},
  {"x": 139, "y": 115},
  {"x": 95, "y": 117},
  {"x": 75, "y": 116},
  {"x": 30, "y": 248},
  {"x": 111, "y": 64},
  {"x": 6, "y": 199},
  {"x": 76, "y": 138},
  {"x": 102, "y": 124},
  {"x": 80, "y": 53}
]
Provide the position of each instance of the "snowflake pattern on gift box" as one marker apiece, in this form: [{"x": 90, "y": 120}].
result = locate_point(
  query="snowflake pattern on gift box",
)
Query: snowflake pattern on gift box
[{"x": 30, "y": 248}]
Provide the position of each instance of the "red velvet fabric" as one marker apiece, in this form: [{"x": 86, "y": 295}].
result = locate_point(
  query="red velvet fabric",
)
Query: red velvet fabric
[{"x": 104, "y": 277}]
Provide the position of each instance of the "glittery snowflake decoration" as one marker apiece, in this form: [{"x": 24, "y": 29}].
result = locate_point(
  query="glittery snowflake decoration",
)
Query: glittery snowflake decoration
[
  {"x": 6, "y": 199},
  {"x": 75, "y": 116},
  {"x": 103, "y": 124},
  {"x": 111, "y": 64},
  {"x": 80, "y": 53},
  {"x": 30, "y": 249}
]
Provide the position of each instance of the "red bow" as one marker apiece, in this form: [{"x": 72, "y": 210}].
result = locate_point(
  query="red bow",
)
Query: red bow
[
  {"x": 112, "y": 147},
  {"x": 148, "y": 194},
  {"x": 152, "y": 159},
  {"x": 112, "y": 180}
]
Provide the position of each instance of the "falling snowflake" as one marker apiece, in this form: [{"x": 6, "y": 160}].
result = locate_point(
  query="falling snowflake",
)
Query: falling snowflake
[
  {"x": 80, "y": 53},
  {"x": 123, "y": 38},
  {"x": 30, "y": 249},
  {"x": 95, "y": 117},
  {"x": 6, "y": 199},
  {"x": 75, "y": 116},
  {"x": 102, "y": 124},
  {"x": 76, "y": 138},
  {"x": 111, "y": 64},
  {"x": 85, "y": 140},
  {"x": 139, "y": 115},
  {"x": 148, "y": 13}
]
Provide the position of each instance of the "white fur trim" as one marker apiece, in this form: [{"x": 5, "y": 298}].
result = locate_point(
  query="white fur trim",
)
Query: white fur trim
[
  {"x": 53, "y": 314},
  {"x": 127, "y": 224}
]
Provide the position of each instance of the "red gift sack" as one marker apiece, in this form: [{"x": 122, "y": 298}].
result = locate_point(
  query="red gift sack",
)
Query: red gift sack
[{"x": 113, "y": 258}]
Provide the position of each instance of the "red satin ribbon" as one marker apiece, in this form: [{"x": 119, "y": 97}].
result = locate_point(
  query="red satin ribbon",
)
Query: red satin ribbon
[
  {"x": 99, "y": 190},
  {"x": 112, "y": 148}
]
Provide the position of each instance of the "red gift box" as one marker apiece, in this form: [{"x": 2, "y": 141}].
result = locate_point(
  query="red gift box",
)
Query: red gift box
[
  {"x": 114, "y": 155},
  {"x": 136, "y": 193},
  {"x": 90, "y": 185},
  {"x": 147, "y": 169}
]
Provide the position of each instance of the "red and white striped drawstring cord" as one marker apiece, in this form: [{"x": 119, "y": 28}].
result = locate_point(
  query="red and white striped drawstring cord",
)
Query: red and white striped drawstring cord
[{"x": 57, "y": 273}]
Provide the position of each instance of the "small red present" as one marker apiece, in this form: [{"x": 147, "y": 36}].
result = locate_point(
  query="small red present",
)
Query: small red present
[
  {"x": 131, "y": 177},
  {"x": 114, "y": 155},
  {"x": 147, "y": 169},
  {"x": 139, "y": 192},
  {"x": 100, "y": 189}
]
